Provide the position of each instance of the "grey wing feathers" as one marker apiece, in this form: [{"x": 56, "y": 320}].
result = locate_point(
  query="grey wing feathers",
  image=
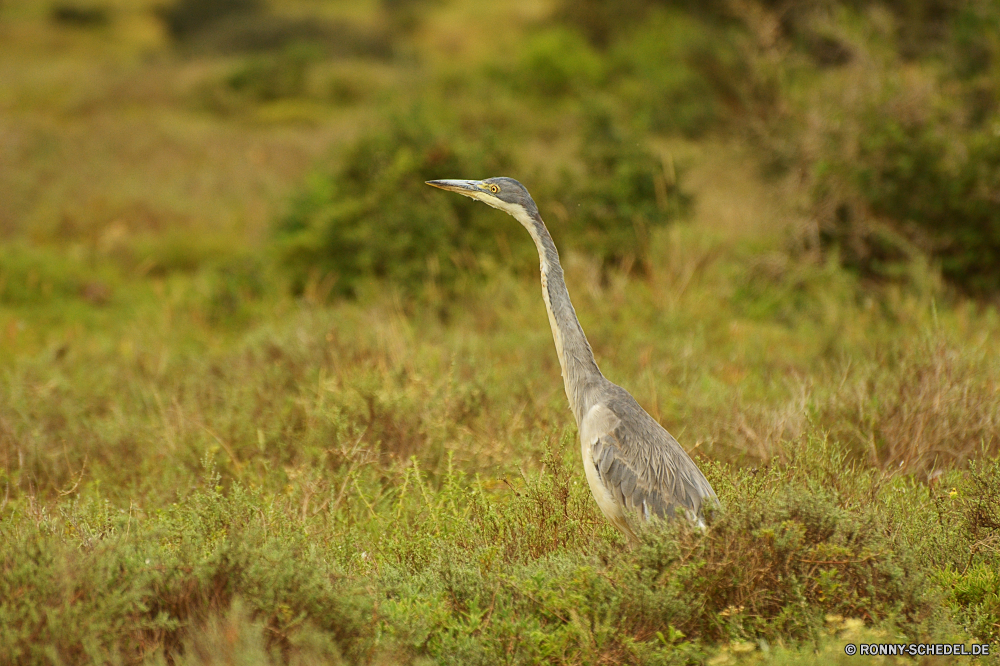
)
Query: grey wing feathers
[{"x": 645, "y": 468}]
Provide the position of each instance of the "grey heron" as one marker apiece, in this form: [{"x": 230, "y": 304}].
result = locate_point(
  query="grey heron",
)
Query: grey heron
[{"x": 634, "y": 467}]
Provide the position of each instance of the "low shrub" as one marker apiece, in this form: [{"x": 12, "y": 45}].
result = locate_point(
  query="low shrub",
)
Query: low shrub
[
  {"x": 775, "y": 567},
  {"x": 981, "y": 507},
  {"x": 33, "y": 275},
  {"x": 785, "y": 553},
  {"x": 526, "y": 572},
  {"x": 976, "y": 599},
  {"x": 974, "y": 582},
  {"x": 94, "y": 584}
]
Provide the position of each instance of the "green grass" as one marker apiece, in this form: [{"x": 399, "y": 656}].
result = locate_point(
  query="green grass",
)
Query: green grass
[
  {"x": 404, "y": 486},
  {"x": 206, "y": 458}
]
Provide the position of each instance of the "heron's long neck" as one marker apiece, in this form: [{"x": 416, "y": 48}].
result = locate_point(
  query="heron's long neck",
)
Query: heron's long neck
[{"x": 579, "y": 369}]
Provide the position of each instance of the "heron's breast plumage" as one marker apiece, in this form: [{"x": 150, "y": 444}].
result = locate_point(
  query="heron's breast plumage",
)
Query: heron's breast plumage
[{"x": 597, "y": 423}]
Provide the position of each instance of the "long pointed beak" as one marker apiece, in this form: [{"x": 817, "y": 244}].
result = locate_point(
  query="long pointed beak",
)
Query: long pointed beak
[{"x": 466, "y": 187}]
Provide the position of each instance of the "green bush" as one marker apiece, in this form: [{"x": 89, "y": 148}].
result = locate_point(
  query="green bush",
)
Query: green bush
[
  {"x": 919, "y": 187},
  {"x": 624, "y": 193},
  {"x": 270, "y": 32},
  {"x": 248, "y": 25},
  {"x": 274, "y": 76},
  {"x": 186, "y": 18},
  {"x": 373, "y": 216},
  {"x": 660, "y": 73},
  {"x": 79, "y": 16},
  {"x": 975, "y": 41},
  {"x": 600, "y": 21},
  {"x": 556, "y": 62},
  {"x": 920, "y": 26}
]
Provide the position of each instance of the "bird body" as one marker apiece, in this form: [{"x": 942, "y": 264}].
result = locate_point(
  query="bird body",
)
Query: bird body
[{"x": 635, "y": 468}]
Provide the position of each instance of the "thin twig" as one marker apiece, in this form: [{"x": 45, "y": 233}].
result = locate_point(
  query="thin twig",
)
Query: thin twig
[
  {"x": 128, "y": 525},
  {"x": 859, "y": 561},
  {"x": 63, "y": 493},
  {"x": 232, "y": 456}
]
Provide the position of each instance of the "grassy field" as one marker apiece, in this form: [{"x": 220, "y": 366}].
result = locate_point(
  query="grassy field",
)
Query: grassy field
[{"x": 206, "y": 461}]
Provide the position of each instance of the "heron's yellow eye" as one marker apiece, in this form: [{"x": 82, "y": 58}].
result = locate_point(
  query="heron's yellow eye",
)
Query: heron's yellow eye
[{"x": 494, "y": 188}]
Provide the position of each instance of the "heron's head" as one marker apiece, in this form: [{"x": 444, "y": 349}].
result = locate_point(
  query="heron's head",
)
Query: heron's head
[{"x": 504, "y": 193}]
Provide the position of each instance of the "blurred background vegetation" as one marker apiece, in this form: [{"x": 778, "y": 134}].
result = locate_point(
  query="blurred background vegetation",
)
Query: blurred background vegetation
[{"x": 265, "y": 394}]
